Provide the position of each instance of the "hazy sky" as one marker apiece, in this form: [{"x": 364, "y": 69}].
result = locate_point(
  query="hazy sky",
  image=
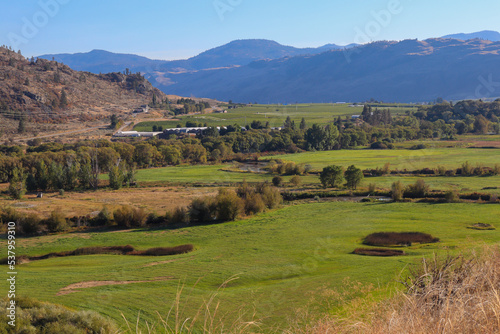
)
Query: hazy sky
[{"x": 174, "y": 29}]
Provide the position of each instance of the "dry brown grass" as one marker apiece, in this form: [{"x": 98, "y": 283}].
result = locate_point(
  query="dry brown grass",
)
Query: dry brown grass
[
  {"x": 75, "y": 204},
  {"x": 451, "y": 295}
]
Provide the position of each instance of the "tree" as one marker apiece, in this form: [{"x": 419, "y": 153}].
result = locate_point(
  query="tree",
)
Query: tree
[
  {"x": 114, "y": 121},
  {"x": 481, "y": 125},
  {"x": 296, "y": 180},
  {"x": 332, "y": 176},
  {"x": 228, "y": 205},
  {"x": 17, "y": 187},
  {"x": 303, "y": 125},
  {"x": 116, "y": 177},
  {"x": 171, "y": 155},
  {"x": 21, "y": 128},
  {"x": 353, "y": 176},
  {"x": 63, "y": 103},
  {"x": 397, "y": 191}
]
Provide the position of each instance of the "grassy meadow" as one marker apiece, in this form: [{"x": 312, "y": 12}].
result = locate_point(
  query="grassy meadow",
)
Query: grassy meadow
[
  {"x": 398, "y": 159},
  {"x": 297, "y": 257},
  {"x": 274, "y": 114}
]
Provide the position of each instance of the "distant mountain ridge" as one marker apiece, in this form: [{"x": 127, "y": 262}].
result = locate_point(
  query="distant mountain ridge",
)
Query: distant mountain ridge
[
  {"x": 453, "y": 67},
  {"x": 488, "y": 35},
  {"x": 235, "y": 53},
  {"x": 406, "y": 71}
]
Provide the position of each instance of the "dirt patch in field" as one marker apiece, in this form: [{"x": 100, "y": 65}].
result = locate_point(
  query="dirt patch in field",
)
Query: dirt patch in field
[{"x": 75, "y": 287}]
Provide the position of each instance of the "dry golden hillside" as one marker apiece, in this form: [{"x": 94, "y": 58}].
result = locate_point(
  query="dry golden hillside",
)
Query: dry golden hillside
[{"x": 50, "y": 93}]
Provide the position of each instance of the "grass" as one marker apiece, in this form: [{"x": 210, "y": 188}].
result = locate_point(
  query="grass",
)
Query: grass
[
  {"x": 398, "y": 159},
  {"x": 274, "y": 114},
  {"x": 281, "y": 258}
]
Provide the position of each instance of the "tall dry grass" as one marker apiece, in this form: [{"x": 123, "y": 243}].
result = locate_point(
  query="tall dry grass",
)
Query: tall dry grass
[
  {"x": 452, "y": 295},
  {"x": 207, "y": 319}
]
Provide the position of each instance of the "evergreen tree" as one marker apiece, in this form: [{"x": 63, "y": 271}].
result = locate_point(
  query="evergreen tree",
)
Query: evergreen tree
[
  {"x": 17, "y": 183},
  {"x": 21, "y": 128},
  {"x": 303, "y": 125},
  {"x": 63, "y": 102}
]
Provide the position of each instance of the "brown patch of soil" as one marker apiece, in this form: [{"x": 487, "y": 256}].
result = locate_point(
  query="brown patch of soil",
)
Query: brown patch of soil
[{"x": 91, "y": 284}]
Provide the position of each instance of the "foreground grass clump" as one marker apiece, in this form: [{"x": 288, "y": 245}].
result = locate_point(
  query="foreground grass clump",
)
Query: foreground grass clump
[
  {"x": 119, "y": 250},
  {"x": 398, "y": 239},
  {"x": 378, "y": 252},
  {"x": 36, "y": 317},
  {"x": 455, "y": 294}
]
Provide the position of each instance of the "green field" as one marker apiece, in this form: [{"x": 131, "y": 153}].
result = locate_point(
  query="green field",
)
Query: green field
[
  {"x": 274, "y": 114},
  {"x": 398, "y": 159},
  {"x": 284, "y": 260}
]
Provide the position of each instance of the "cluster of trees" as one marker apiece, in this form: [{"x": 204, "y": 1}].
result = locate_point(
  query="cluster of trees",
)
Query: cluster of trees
[
  {"x": 468, "y": 116},
  {"x": 190, "y": 106},
  {"x": 334, "y": 176},
  {"x": 376, "y": 117}
]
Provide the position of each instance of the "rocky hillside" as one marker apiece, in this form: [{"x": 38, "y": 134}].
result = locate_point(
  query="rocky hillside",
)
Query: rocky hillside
[{"x": 45, "y": 91}]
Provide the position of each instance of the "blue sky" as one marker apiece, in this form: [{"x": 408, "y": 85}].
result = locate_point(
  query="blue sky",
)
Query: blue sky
[{"x": 175, "y": 29}]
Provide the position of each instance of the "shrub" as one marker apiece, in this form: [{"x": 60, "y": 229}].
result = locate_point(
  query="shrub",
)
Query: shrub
[
  {"x": 467, "y": 169},
  {"x": 244, "y": 190},
  {"x": 398, "y": 238},
  {"x": 37, "y": 317},
  {"x": 103, "y": 218},
  {"x": 417, "y": 190},
  {"x": 180, "y": 216},
  {"x": 271, "y": 196},
  {"x": 56, "y": 222},
  {"x": 228, "y": 205},
  {"x": 127, "y": 216},
  {"x": 441, "y": 171},
  {"x": 254, "y": 204},
  {"x": 451, "y": 197},
  {"x": 154, "y": 219},
  {"x": 397, "y": 190},
  {"x": 202, "y": 209},
  {"x": 29, "y": 224},
  {"x": 386, "y": 169},
  {"x": 277, "y": 181},
  {"x": 296, "y": 180},
  {"x": 372, "y": 187}
]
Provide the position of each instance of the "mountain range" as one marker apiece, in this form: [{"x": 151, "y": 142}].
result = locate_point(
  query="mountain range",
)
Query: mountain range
[
  {"x": 235, "y": 53},
  {"x": 453, "y": 67}
]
